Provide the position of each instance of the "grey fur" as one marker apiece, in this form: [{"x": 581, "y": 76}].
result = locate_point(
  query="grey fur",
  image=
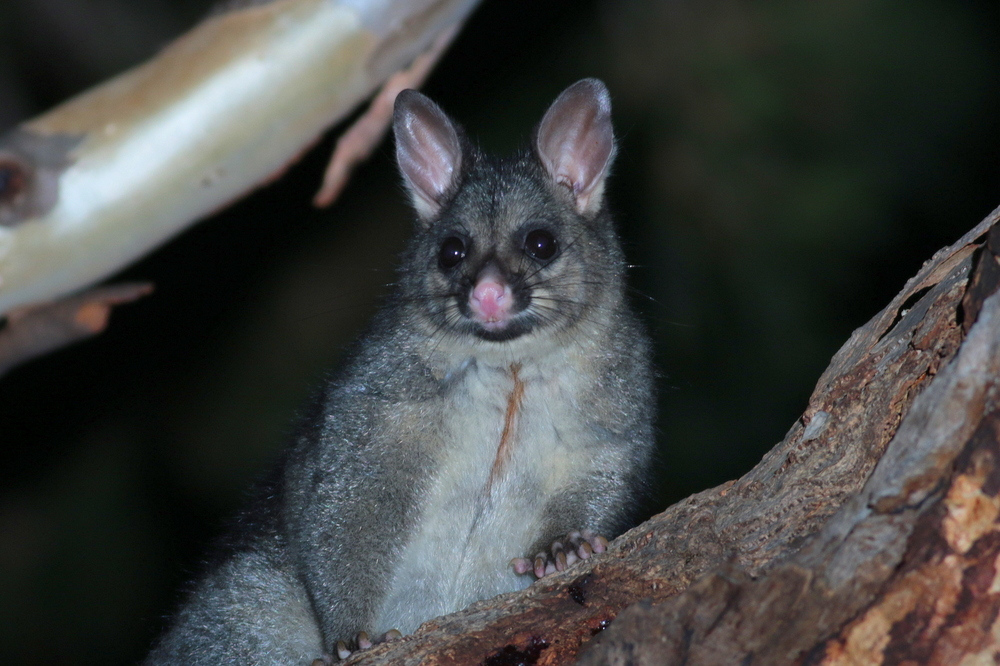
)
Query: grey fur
[{"x": 380, "y": 515}]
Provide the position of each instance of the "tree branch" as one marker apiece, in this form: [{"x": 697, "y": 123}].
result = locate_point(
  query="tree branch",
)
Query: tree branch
[
  {"x": 40, "y": 329},
  {"x": 886, "y": 482},
  {"x": 132, "y": 162}
]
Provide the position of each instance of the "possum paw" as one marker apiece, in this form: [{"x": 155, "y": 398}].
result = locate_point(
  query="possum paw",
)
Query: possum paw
[
  {"x": 360, "y": 642},
  {"x": 563, "y": 552}
]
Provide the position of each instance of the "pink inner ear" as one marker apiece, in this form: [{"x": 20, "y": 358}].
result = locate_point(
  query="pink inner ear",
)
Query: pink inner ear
[
  {"x": 427, "y": 148},
  {"x": 576, "y": 141}
]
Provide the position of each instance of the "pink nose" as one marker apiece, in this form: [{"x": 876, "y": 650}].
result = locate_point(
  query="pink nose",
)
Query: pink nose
[{"x": 491, "y": 300}]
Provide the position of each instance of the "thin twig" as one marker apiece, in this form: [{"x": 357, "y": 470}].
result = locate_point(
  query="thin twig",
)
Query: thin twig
[
  {"x": 357, "y": 143},
  {"x": 39, "y": 329}
]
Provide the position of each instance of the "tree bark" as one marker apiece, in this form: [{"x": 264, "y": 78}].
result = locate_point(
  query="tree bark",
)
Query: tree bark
[{"x": 869, "y": 535}]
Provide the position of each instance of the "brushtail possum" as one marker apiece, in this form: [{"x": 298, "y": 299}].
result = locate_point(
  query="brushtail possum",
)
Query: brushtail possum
[{"x": 501, "y": 400}]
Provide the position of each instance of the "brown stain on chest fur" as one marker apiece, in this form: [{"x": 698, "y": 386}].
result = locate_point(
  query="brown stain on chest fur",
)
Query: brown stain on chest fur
[{"x": 505, "y": 448}]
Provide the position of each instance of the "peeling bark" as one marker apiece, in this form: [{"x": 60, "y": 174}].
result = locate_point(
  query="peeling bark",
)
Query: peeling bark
[
  {"x": 869, "y": 535},
  {"x": 33, "y": 331}
]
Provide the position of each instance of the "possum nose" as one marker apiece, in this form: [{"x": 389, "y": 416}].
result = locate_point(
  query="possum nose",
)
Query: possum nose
[{"x": 491, "y": 299}]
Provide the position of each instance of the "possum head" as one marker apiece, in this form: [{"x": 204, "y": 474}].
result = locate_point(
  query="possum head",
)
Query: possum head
[{"x": 508, "y": 249}]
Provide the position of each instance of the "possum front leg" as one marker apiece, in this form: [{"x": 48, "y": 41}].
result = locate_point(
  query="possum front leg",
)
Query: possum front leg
[{"x": 563, "y": 553}]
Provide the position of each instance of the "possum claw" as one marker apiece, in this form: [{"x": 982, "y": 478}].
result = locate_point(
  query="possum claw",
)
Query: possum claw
[
  {"x": 562, "y": 554},
  {"x": 521, "y": 565},
  {"x": 361, "y": 642}
]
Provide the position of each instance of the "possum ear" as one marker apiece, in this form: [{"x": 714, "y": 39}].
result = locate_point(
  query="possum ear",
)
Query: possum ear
[
  {"x": 575, "y": 142},
  {"x": 428, "y": 150}
]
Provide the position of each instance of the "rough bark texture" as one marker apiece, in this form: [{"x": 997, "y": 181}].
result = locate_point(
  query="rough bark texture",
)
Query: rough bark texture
[{"x": 869, "y": 535}]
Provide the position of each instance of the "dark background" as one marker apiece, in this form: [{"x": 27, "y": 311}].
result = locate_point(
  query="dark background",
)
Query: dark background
[{"x": 784, "y": 167}]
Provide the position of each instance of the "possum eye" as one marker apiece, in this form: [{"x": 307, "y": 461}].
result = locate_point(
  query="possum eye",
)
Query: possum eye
[
  {"x": 452, "y": 252},
  {"x": 540, "y": 245}
]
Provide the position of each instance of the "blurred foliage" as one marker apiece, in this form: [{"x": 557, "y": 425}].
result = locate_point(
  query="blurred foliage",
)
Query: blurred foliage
[{"x": 784, "y": 168}]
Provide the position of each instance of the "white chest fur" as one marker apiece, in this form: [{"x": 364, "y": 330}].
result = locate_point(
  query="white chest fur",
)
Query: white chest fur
[{"x": 511, "y": 440}]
